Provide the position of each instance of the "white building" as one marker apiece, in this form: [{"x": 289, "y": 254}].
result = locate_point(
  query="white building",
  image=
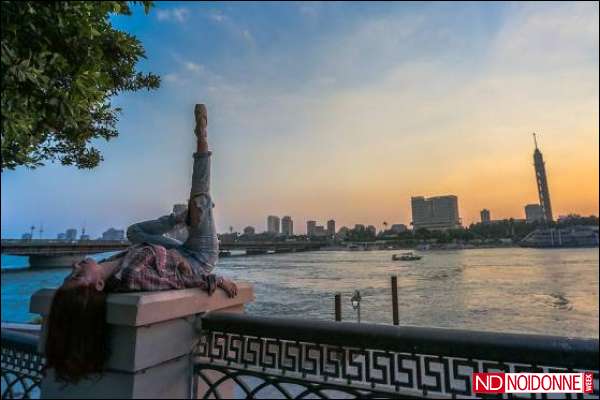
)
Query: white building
[
  {"x": 273, "y": 224},
  {"x": 287, "y": 226},
  {"x": 71, "y": 234},
  {"x": 310, "y": 227},
  {"x": 435, "y": 213},
  {"x": 534, "y": 213},
  {"x": 113, "y": 234}
]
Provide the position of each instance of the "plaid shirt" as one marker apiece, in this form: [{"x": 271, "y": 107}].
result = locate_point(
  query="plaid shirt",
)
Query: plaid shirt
[{"x": 150, "y": 267}]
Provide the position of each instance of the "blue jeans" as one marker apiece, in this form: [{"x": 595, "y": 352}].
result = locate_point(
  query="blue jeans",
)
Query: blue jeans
[{"x": 201, "y": 248}]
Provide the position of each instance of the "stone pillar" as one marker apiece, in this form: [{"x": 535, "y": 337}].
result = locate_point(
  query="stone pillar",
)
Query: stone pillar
[{"x": 151, "y": 336}]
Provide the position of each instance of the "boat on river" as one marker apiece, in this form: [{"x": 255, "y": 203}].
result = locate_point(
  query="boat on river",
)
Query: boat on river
[{"x": 410, "y": 256}]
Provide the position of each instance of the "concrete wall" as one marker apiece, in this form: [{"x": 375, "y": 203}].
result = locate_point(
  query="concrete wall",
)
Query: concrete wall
[{"x": 151, "y": 338}]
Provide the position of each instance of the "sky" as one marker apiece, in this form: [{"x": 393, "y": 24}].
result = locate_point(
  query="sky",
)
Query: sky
[{"x": 340, "y": 110}]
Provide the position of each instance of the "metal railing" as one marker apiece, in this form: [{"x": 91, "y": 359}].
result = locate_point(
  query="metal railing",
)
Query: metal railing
[
  {"x": 243, "y": 356},
  {"x": 22, "y": 366}
]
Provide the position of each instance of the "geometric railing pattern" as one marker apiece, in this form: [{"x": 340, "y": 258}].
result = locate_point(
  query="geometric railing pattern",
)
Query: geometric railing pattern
[
  {"x": 240, "y": 356},
  {"x": 21, "y": 366},
  {"x": 253, "y": 357}
]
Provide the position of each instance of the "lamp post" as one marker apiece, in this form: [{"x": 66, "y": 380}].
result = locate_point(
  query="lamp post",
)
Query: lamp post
[{"x": 356, "y": 303}]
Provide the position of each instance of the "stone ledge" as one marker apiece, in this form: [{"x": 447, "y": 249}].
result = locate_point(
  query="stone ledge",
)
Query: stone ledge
[{"x": 144, "y": 308}]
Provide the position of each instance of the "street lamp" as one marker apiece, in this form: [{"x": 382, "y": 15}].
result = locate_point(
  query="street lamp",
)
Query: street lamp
[{"x": 356, "y": 303}]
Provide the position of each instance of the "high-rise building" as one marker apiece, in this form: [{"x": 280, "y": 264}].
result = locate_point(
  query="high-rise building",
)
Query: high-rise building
[
  {"x": 485, "y": 216},
  {"x": 287, "y": 226},
  {"x": 310, "y": 227},
  {"x": 534, "y": 213},
  {"x": 273, "y": 224},
  {"x": 435, "y": 213},
  {"x": 331, "y": 227},
  {"x": 319, "y": 231},
  {"x": 71, "y": 234},
  {"x": 542, "y": 182},
  {"x": 113, "y": 234}
]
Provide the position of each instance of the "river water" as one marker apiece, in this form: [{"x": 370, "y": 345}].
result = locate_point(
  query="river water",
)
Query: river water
[{"x": 549, "y": 291}]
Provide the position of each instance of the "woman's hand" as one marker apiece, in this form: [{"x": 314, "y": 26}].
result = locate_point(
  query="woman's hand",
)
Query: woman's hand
[
  {"x": 228, "y": 286},
  {"x": 184, "y": 268}
]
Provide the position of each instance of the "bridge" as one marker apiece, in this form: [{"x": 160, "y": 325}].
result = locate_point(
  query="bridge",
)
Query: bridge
[{"x": 61, "y": 253}]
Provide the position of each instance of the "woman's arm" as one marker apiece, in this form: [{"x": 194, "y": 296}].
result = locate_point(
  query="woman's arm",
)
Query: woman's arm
[{"x": 209, "y": 282}]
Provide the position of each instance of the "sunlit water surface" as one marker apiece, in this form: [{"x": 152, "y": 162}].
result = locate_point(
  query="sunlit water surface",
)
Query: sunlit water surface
[{"x": 519, "y": 290}]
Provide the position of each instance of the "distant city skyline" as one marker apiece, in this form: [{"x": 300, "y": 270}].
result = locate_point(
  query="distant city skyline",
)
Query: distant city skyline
[
  {"x": 433, "y": 213},
  {"x": 350, "y": 112}
]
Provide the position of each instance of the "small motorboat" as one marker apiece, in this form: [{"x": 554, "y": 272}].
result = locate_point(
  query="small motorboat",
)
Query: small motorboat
[{"x": 410, "y": 256}]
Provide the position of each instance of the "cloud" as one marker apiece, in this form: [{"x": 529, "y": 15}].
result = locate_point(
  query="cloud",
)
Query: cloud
[
  {"x": 193, "y": 67},
  {"x": 232, "y": 27},
  {"x": 217, "y": 16},
  {"x": 248, "y": 36},
  {"x": 172, "y": 78},
  {"x": 310, "y": 9},
  {"x": 179, "y": 14},
  {"x": 190, "y": 73},
  {"x": 539, "y": 38}
]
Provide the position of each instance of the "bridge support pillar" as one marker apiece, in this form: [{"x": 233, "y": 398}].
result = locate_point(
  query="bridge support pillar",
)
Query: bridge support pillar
[
  {"x": 39, "y": 261},
  {"x": 152, "y": 337}
]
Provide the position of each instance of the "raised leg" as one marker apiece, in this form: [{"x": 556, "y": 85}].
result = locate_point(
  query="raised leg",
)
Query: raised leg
[
  {"x": 152, "y": 232},
  {"x": 202, "y": 241}
]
